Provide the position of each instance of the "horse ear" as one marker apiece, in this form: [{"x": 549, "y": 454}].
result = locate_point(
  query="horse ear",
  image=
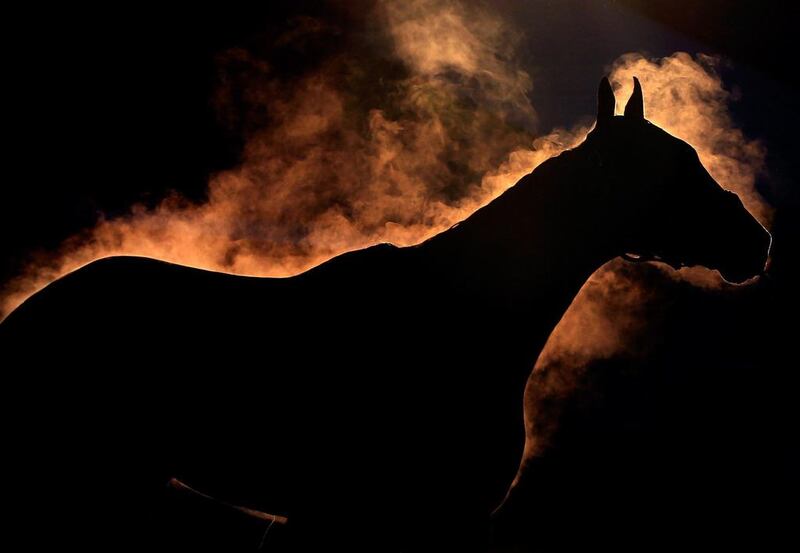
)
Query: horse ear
[
  {"x": 635, "y": 106},
  {"x": 605, "y": 102}
]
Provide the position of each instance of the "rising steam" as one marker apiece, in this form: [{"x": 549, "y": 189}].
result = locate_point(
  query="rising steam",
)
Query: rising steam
[
  {"x": 429, "y": 121},
  {"x": 394, "y": 142}
]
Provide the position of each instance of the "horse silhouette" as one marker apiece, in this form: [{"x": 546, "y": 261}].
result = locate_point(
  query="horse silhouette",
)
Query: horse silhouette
[{"x": 376, "y": 399}]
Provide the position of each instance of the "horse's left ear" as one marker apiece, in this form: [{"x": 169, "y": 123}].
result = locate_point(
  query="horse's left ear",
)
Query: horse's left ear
[
  {"x": 605, "y": 102},
  {"x": 635, "y": 106}
]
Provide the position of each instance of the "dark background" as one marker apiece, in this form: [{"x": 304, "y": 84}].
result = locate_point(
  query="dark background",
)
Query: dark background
[{"x": 696, "y": 444}]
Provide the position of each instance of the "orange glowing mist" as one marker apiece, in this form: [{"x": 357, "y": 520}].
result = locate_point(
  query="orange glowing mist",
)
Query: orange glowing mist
[{"x": 334, "y": 168}]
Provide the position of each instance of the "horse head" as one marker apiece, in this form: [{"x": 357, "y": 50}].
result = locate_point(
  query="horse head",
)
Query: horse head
[{"x": 663, "y": 203}]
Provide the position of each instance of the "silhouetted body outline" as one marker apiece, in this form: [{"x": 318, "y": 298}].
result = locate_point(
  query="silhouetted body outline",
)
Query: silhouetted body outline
[{"x": 375, "y": 400}]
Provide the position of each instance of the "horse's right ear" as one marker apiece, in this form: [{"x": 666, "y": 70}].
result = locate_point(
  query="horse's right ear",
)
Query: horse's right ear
[{"x": 605, "y": 102}]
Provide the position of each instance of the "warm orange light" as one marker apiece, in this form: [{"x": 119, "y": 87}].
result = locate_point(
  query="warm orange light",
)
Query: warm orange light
[{"x": 334, "y": 173}]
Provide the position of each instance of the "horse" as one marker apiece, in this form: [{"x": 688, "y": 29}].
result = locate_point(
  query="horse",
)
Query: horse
[{"x": 374, "y": 401}]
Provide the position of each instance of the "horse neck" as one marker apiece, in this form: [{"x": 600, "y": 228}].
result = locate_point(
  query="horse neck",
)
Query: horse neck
[{"x": 517, "y": 263}]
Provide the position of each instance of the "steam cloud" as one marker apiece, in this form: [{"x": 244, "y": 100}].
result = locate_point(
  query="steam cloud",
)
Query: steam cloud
[
  {"x": 428, "y": 122},
  {"x": 393, "y": 143}
]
